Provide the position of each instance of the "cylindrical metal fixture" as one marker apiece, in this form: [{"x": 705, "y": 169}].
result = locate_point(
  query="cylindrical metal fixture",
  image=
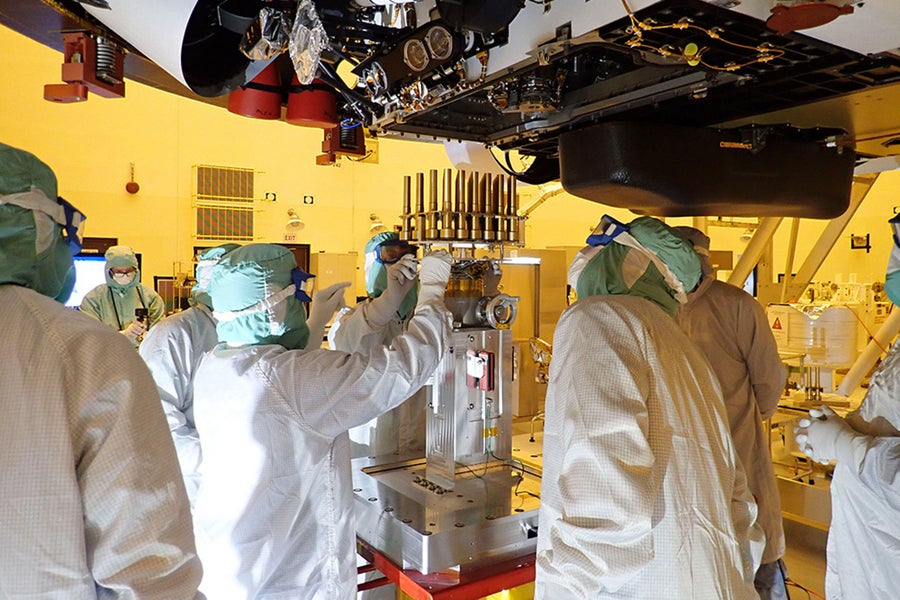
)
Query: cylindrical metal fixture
[
  {"x": 459, "y": 205},
  {"x": 512, "y": 219},
  {"x": 447, "y": 227},
  {"x": 420, "y": 207},
  {"x": 463, "y": 206},
  {"x": 477, "y": 207},
  {"x": 496, "y": 198},
  {"x": 432, "y": 190},
  {"x": 483, "y": 200},
  {"x": 433, "y": 217},
  {"x": 487, "y": 189},
  {"x": 406, "y": 232}
]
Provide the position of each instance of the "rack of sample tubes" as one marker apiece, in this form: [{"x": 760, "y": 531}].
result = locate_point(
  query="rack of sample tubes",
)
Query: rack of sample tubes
[{"x": 461, "y": 206}]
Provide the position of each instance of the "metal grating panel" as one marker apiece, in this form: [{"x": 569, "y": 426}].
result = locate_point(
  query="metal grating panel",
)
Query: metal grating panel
[{"x": 223, "y": 200}]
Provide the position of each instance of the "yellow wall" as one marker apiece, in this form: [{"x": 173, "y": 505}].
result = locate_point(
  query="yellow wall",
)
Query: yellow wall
[{"x": 91, "y": 145}]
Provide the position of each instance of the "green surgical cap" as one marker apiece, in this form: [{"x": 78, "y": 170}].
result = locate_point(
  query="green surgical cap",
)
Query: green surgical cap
[
  {"x": 206, "y": 260},
  {"x": 33, "y": 252},
  {"x": 121, "y": 256},
  {"x": 622, "y": 269},
  {"x": 216, "y": 253},
  {"x": 244, "y": 278},
  {"x": 21, "y": 171},
  {"x": 701, "y": 242},
  {"x": 376, "y": 274}
]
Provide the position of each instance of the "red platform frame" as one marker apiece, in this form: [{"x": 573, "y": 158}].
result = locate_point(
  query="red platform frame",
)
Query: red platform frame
[{"x": 447, "y": 585}]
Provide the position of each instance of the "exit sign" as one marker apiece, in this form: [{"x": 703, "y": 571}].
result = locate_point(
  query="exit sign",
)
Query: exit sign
[{"x": 290, "y": 237}]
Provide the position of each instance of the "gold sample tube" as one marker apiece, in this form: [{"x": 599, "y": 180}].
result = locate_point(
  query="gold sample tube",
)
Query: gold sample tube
[
  {"x": 471, "y": 180},
  {"x": 517, "y": 237},
  {"x": 487, "y": 202},
  {"x": 420, "y": 207},
  {"x": 511, "y": 209},
  {"x": 478, "y": 207},
  {"x": 459, "y": 202},
  {"x": 494, "y": 208},
  {"x": 433, "y": 216},
  {"x": 459, "y": 206},
  {"x": 406, "y": 232},
  {"x": 447, "y": 227}
]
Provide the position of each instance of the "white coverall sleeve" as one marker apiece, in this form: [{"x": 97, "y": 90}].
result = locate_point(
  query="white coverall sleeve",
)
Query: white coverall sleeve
[
  {"x": 863, "y": 548},
  {"x": 744, "y": 512},
  {"x": 352, "y": 331},
  {"x": 760, "y": 351},
  {"x": 169, "y": 357},
  {"x": 335, "y": 391},
  {"x": 878, "y": 466},
  {"x": 604, "y": 536},
  {"x": 137, "y": 521},
  {"x": 156, "y": 308}
]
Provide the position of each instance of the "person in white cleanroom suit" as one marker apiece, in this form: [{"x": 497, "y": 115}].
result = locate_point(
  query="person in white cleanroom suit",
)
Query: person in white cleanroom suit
[
  {"x": 274, "y": 514},
  {"x": 92, "y": 501},
  {"x": 173, "y": 350},
  {"x": 390, "y": 282},
  {"x": 731, "y": 329},
  {"x": 114, "y": 302},
  {"x": 642, "y": 494},
  {"x": 863, "y": 551}
]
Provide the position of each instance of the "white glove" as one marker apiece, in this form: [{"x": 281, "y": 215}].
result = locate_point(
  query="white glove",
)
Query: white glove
[
  {"x": 826, "y": 436},
  {"x": 323, "y": 306},
  {"x": 434, "y": 273},
  {"x": 134, "y": 331},
  {"x": 401, "y": 277}
]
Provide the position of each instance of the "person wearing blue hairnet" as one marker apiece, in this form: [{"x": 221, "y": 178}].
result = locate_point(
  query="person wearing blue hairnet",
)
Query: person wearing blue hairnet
[
  {"x": 863, "y": 550},
  {"x": 274, "y": 512},
  {"x": 642, "y": 492},
  {"x": 390, "y": 267},
  {"x": 115, "y": 301},
  {"x": 93, "y": 505},
  {"x": 173, "y": 350},
  {"x": 731, "y": 329}
]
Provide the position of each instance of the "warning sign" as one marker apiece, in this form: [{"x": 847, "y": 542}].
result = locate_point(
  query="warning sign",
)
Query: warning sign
[{"x": 779, "y": 317}]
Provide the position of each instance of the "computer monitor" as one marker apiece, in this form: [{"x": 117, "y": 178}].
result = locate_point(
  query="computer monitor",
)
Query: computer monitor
[
  {"x": 750, "y": 286},
  {"x": 90, "y": 271}
]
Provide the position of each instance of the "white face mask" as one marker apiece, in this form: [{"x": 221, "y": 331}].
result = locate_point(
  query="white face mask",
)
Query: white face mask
[{"x": 123, "y": 278}]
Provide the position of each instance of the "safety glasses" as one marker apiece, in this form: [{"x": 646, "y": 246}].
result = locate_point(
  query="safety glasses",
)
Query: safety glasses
[
  {"x": 391, "y": 251},
  {"x": 113, "y": 271},
  {"x": 303, "y": 284},
  {"x": 74, "y": 225},
  {"x": 606, "y": 231}
]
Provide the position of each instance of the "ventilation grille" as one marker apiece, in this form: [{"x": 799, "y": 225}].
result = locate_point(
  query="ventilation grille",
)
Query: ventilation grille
[{"x": 223, "y": 200}]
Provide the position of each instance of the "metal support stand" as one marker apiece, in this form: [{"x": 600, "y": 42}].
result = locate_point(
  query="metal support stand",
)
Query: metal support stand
[{"x": 449, "y": 584}]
